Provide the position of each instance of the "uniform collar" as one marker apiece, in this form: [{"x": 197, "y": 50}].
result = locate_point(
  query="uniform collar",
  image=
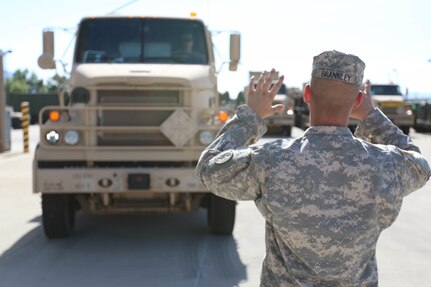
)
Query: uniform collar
[{"x": 328, "y": 130}]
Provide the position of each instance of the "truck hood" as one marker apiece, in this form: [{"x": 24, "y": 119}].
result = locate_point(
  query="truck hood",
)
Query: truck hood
[
  {"x": 195, "y": 76},
  {"x": 388, "y": 98}
]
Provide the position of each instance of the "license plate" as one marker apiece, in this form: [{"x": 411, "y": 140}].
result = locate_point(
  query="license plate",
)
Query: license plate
[{"x": 139, "y": 181}]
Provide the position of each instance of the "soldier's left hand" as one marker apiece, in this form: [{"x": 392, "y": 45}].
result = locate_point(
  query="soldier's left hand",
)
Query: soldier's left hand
[
  {"x": 261, "y": 95},
  {"x": 361, "y": 111}
]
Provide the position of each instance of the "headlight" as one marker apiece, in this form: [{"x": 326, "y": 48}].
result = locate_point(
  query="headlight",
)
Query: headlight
[
  {"x": 206, "y": 137},
  {"x": 290, "y": 112},
  {"x": 80, "y": 95},
  {"x": 409, "y": 112},
  {"x": 52, "y": 137},
  {"x": 71, "y": 137}
]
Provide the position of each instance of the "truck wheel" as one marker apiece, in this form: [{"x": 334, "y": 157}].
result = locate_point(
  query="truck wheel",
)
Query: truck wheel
[
  {"x": 221, "y": 215},
  {"x": 16, "y": 123},
  {"x": 352, "y": 128},
  {"x": 405, "y": 130},
  {"x": 419, "y": 129},
  {"x": 287, "y": 131},
  {"x": 58, "y": 215}
]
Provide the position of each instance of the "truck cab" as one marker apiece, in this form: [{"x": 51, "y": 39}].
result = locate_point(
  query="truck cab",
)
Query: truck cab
[
  {"x": 390, "y": 100},
  {"x": 141, "y": 105}
]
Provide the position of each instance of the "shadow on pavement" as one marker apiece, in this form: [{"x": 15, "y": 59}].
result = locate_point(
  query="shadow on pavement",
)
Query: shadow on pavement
[{"x": 125, "y": 250}]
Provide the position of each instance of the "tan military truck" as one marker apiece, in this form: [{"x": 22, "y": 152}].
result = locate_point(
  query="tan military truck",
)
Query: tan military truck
[
  {"x": 422, "y": 115},
  {"x": 141, "y": 105},
  {"x": 387, "y": 97},
  {"x": 390, "y": 100},
  {"x": 281, "y": 121}
]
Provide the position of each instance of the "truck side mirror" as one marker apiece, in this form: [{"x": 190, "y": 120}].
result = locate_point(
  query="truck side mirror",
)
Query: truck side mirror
[
  {"x": 235, "y": 51},
  {"x": 46, "y": 60}
]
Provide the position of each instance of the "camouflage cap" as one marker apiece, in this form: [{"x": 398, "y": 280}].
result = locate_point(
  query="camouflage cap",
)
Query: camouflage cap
[{"x": 334, "y": 65}]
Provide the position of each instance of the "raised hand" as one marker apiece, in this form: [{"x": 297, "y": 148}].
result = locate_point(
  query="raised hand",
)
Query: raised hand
[
  {"x": 361, "y": 111},
  {"x": 261, "y": 96}
]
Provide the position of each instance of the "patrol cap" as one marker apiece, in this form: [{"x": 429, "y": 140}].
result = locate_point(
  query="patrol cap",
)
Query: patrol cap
[{"x": 334, "y": 65}]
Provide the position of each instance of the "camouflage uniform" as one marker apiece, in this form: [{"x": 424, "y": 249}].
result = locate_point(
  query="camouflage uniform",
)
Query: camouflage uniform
[{"x": 325, "y": 196}]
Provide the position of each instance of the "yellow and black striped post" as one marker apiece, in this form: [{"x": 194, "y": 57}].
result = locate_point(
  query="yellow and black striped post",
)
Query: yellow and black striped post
[{"x": 25, "y": 121}]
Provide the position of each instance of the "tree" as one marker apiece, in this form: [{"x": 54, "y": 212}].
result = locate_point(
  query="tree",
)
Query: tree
[
  {"x": 240, "y": 99},
  {"x": 17, "y": 84},
  {"x": 23, "y": 82},
  {"x": 224, "y": 98},
  {"x": 56, "y": 82},
  {"x": 35, "y": 84}
]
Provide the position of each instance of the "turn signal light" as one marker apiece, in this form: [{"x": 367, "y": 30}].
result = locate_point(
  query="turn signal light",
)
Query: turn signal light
[
  {"x": 54, "y": 116},
  {"x": 223, "y": 116}
]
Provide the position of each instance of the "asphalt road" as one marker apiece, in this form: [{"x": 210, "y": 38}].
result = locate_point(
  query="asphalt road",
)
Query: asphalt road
[{"x": 171, "y": 249}]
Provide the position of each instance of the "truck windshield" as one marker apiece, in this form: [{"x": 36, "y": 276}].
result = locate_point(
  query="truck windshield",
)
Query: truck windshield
[
  {"x": 141, "y": 40},
  {"x": 388, "y": 90},
  {"x": 282, "y": 90}
]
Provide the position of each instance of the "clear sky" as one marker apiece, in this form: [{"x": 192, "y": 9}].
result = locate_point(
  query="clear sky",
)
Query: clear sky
[{"x": 393, "y": 37}]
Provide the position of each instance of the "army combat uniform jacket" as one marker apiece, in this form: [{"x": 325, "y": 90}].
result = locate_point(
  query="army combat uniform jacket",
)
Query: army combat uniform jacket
[{"x": 325, "y": 196}]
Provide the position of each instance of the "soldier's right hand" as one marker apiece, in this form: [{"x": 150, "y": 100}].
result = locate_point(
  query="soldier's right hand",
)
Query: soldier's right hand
[{"x": 260, "y": 98}]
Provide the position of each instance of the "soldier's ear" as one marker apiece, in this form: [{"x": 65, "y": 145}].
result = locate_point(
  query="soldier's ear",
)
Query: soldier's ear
[
  {"x": 307, "y": 93},
  {"x": 358, "y": 100}
]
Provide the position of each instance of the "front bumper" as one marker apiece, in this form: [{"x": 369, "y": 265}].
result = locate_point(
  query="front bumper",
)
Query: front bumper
[
  {"x": 402, "y": 121},
  {"x": 280, "y": 121},
  {"x": 115, "y": 180}
]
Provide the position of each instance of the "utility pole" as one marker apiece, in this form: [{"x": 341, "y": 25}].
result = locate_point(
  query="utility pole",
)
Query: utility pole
[{"x": 3, "y": 145}]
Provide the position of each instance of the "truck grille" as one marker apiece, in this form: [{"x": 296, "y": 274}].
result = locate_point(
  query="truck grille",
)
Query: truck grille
[
  {"x": 390, "y": 111},
  {"x": 423, "y": 112},
  {"x": 124, "y": 108},
  {"x": 129, "y": 139},
  {"x": 139, "y": 97}
]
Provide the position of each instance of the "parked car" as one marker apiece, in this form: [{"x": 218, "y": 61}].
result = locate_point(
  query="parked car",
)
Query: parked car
[{"x": 16, "y": 117}]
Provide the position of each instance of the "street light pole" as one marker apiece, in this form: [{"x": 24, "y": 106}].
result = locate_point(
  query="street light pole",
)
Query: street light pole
[{"x": 2, "y": 105}]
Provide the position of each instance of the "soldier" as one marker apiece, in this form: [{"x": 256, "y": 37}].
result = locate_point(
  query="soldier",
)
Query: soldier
[
  {"x": 187, "y": 51},
  {"x": 327, "y": 195}
]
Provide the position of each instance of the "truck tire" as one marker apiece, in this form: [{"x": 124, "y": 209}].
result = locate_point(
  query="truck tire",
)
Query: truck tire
[
  {"x": 406, "y": 130},
  {"x": 287, "y": 131},
  {"x": 58, "y": 215},
  {"x": 221, "y": 215},
  {"x": 420, "y": 129},
  {"x": 16, "y": 123}
]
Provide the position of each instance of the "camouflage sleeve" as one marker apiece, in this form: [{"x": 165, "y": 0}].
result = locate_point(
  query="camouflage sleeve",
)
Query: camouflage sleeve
[
  {"x": 378, "y": 129},
  {"x": 410, "y": 166},
  {"x": 228, "y": 167}
]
